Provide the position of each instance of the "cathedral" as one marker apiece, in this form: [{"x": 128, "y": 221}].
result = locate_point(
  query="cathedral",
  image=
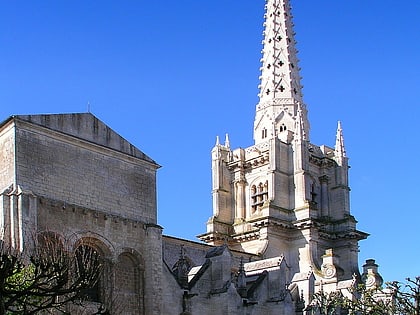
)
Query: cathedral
[{"x": 281, "y": 227}]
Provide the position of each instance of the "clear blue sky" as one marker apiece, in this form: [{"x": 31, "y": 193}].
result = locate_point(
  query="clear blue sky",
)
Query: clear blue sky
[{"x": 171, "y": 75}]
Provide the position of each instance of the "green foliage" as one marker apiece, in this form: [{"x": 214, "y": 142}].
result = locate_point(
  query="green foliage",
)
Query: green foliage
[
  {"x": 22, "y": 280},
  {"x": 395, "y": 299},
  {"x": 327, "y": 303},
  {"x": 368, "y": 301},
  {"x": 22, "y": 277}
]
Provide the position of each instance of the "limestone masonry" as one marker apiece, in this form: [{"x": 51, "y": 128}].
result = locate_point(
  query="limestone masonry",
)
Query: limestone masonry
[{"x": 281, "y": 227}]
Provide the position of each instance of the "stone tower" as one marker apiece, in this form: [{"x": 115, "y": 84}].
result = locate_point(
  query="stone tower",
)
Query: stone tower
[{"x": 285, "y": 195}]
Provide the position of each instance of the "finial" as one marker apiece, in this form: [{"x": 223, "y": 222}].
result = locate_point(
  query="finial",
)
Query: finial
[
  {"x": 181, "y": 252},
  {"x": 217, "y": 141},
  {"x": 339, "y": 142},
  {"x": 227, "y": 143},
  {"x": 182, "y": 268},
  {"x": 300, "y": 128}
]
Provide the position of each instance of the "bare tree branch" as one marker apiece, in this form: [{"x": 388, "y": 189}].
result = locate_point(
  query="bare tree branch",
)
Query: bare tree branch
[{"x": 46, "y": 276}]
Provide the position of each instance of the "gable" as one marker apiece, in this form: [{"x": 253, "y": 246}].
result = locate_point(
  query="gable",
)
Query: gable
[{"x": 87, "y": 127}]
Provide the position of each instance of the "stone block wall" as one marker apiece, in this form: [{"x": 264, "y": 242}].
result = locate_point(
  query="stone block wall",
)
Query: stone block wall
[
  {"x": 7, "y": 156},
  {"x": 57, "y": 166}
]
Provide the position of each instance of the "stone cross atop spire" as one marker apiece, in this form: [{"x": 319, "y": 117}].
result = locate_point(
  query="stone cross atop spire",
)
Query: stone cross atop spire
[{"x": 280, "y": 91}]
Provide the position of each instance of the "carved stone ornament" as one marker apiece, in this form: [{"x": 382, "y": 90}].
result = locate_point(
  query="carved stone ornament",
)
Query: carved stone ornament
[
  {"x": 328, "y": 270},
  {"x": 369, "y": 280}
]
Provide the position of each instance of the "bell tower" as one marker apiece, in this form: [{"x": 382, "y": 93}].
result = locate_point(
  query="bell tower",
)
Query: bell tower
[{"x": 285, "y": 195}]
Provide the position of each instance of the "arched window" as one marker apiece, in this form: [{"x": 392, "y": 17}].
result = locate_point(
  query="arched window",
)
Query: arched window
[
  {"x": 283, "y": 128},
  {"x": 89, "y": 261},
  {"x": 253, "y": 190},
  {"x": 129, "y": 283},
  {"x": 259, "y": 194},
  {"x": 313, "y": 192},
  {"x": 254, "y": 197}
]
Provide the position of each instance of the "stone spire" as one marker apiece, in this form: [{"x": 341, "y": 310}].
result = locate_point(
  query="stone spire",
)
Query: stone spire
[
  {"x": 280, "y": 91},
  {"x": 340, "y": 150},
  {"x": 279, "y": 70},
  {"x": 227, "y": 142}
]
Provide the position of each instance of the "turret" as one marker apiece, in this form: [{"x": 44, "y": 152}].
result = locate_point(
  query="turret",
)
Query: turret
[{"x": 221, "y": 180}]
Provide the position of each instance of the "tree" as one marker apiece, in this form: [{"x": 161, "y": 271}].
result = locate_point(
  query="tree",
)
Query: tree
[
  {"x": 406, "y": 296},
  {"x": 47, "y": 276},
  {"x": 324, "y": 303},
  {"x": 369, "y": 301},
  {"x": 396, "y": 298}
]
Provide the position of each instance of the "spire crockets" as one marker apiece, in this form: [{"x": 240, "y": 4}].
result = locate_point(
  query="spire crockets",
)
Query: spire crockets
[
  {"x": 280, "y": 91},
  {"x": 279, "y": 70}
]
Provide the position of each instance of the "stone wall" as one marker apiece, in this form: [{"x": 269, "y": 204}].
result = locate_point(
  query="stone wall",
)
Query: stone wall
[
  {"x": 52, "y": 164},
  {"x": 7, "y": 156}
]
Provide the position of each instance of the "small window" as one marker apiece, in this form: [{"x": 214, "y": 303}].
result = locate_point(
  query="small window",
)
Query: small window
[
  {"x": 313, "y": 193},
  {"x": 283, "y": 128},
  {"x": 264, "y": 133}
]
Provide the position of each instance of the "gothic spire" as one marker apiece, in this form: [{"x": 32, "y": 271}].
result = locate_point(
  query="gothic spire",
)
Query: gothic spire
[
  {"x": 339, "y": 142},
  {"x": 280, "y": 77},
  {"x": 227, "y": 142},
  {"x": 280, "y": 91}
]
